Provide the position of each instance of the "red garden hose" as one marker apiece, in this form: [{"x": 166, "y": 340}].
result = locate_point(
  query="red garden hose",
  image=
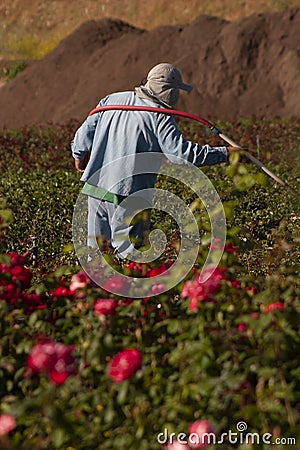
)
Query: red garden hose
[{"x": 213, "y": 128}]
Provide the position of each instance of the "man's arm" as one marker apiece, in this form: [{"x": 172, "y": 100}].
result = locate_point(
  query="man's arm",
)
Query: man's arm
[{"x": 181, "y": 151}]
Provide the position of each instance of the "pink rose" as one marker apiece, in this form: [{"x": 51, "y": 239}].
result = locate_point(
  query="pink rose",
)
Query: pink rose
[
  {"x": 79, "y": 281},
  {"x": 255, "y": 315},
  {"x": 125, "y": 364},
  {"x": 7, "y": 423},
  {"x": 105, "y": 306},
  {"x": 201, "y": 435},
  {"x": 53, "y": 359},
  {"x": 9, "y": 293}
]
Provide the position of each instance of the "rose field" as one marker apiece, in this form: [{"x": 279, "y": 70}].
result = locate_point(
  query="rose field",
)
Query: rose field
[{"x": 203, "y": 365}]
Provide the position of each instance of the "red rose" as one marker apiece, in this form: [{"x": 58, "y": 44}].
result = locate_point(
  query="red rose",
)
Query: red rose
[
  {"x": 125, "y": 364},
  {"x": 105, "y": 306},
  {"x": 242, "y": 326},
  {"x": 201, "y": 434},
  {"x": 125, "y": 302},
  {"x": 7, "y": 423},
  {"x": 213, "y": 278},
  {"x": 42, "y": 357}
]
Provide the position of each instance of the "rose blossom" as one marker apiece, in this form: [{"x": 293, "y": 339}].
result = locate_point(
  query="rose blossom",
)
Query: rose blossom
[
  {"x": 203, "y": 291},
  {"x": 194, "y": 303},
  {"x": 61, "y": 291},
  {"x": 32, "y": 302},
  {"x": 273, "y": 307},
  {"x": 242, "y": 326},
  {"x": 105, "y": 306},
  {"x": 177, "y": 445},
  {"x": 21, "y": 275},
  {"x": 42, "y": 358},
  {"x": 116, "y": 284},
  {"x": 125, "y": 364},
  {"x": 251, "y": 289},
  {"x": 229, "y": 247},
  {"x": 7, "y": 423},
  {"x": 213, "y": 278},
  {"x": 199, "y": 434},
  {"x": 16, "y": 259},
  {"x": 159, "y": 269}
]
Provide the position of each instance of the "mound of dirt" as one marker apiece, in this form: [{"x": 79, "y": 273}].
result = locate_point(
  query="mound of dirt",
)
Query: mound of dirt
[{"x": 246, "y": 67}]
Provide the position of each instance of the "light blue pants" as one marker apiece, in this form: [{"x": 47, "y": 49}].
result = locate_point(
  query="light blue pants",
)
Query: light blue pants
[{"x": 118, "y": 225}]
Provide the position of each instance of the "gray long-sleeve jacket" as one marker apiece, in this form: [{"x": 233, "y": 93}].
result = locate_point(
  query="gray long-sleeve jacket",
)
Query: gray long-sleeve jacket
[{"x": 124, "y": 144}]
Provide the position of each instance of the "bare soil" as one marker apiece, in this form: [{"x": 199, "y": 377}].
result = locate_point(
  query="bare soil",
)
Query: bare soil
[{"x": 249, "y": 66}]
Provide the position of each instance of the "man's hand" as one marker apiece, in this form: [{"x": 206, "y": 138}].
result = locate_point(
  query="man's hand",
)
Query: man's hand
[{"x": 79, "y": 165}]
